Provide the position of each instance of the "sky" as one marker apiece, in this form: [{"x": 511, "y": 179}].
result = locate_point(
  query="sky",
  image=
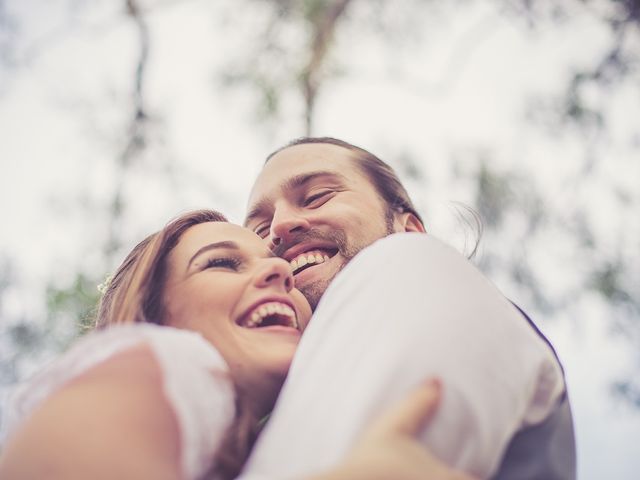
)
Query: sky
[{"x": 457, "y": 88}]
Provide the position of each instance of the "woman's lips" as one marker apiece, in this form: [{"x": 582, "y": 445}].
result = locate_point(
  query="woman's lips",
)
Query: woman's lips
[{"x": 269, "y": 313}]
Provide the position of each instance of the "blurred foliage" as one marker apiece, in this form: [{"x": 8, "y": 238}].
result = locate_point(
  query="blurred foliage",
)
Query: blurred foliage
[
  {"x": 628, "y": 390},
  {"x": 494, "y": 195},
  {"x": 617, "y": 63},
  {"x": 74, "y": 305},
  {"x": 275, "y": 65},
  {"x": 278, "y": 64},
  {"x": 70, "y": 313}
]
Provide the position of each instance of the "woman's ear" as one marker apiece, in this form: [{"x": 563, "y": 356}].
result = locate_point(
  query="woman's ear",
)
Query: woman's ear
[{"x": 410, "y": 223}]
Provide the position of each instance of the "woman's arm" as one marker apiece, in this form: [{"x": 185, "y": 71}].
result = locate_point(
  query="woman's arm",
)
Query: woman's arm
[{"x": 113, "y": 421}]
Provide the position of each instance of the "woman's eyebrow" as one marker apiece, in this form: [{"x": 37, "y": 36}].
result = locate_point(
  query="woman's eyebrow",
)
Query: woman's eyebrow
[{"x": 212, "y": 246}]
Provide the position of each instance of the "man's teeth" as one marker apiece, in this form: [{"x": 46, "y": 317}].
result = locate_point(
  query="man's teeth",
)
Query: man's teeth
[
  {"x": 285, "y": 313},
  {"x": 306, "y": 259}
]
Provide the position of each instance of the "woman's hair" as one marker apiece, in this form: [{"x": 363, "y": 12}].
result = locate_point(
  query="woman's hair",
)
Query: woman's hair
[
  {"x": 135, "y": 291},
  {"x": 135, "y": 294}
]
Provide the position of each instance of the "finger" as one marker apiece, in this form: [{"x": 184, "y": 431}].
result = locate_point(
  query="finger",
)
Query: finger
[{"x": 411, "y": 415}]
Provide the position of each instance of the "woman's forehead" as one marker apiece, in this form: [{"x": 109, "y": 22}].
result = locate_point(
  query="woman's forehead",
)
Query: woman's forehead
[{"x": 213, "y": 232}]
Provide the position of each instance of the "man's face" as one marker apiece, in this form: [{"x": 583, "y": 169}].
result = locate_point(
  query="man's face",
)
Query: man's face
[{"x": 317, "y": 209}]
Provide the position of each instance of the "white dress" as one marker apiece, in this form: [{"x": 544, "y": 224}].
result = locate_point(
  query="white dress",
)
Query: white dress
[{"x": 195, "y": 382}]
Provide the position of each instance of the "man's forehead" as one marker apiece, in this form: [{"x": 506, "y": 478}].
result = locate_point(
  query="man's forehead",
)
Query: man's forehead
[
  {"x": 300, "y": 159},
  {"x": 293, "y": 166}
]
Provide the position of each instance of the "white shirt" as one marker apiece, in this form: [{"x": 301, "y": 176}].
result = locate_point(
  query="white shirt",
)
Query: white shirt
[{"x": 405, "y": 309}]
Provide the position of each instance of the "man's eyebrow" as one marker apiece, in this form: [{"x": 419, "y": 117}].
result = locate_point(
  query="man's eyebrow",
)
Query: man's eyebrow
[
  {"x": 293, "y": 183},
  {"x": 213, "y": 246},
  {"x": 301, "y": 180}
]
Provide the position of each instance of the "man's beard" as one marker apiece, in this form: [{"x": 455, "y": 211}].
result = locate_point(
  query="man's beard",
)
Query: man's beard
[
  {"x": 389, "y": 220},
  {"x": 313, "y": 291}
]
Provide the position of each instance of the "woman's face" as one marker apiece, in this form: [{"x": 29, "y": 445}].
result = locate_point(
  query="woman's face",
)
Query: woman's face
[{"x": 224, "y": 283}]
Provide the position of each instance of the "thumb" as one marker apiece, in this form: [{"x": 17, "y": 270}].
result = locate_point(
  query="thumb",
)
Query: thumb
[{"x": 411, "y": 414}]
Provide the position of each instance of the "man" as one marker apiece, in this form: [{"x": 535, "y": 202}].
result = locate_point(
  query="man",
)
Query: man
[{"x": 406, "y": 308}]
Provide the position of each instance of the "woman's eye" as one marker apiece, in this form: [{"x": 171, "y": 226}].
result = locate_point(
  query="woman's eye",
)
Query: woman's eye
[
  {"x": 317, "y": 199},
  {"x": 223, "y": 262}
]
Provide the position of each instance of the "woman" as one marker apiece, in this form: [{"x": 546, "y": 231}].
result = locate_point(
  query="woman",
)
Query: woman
[{"x": 142, "y": 400}]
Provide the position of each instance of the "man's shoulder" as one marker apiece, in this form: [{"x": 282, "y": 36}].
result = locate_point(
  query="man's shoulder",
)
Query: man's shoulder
[{"x": 411, "y": 243}]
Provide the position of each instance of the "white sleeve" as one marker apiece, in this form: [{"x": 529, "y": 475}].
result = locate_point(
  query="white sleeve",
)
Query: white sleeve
[
  {"x": 405, "y": 309},
  {"x": 195, "y": 383}
]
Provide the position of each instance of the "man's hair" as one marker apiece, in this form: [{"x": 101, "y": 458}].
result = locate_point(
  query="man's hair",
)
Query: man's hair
[{"x": 381, "y": 175}]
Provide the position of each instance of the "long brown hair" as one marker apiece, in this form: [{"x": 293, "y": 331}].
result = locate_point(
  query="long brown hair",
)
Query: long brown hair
[{"x": 135, "y": 294}]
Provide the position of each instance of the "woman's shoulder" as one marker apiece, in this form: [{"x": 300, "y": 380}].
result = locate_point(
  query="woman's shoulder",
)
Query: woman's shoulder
[
  {"x": 187, "y": 344},
  {"x": 191, "y": 374},
  {"x": 182, "y": 346}
]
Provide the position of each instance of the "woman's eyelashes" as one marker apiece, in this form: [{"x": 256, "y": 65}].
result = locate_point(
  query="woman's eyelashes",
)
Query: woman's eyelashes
[{"x": 230, "y": 263}]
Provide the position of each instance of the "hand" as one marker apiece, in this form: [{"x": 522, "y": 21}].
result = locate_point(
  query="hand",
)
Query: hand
[{"x": 389, "y": 449}]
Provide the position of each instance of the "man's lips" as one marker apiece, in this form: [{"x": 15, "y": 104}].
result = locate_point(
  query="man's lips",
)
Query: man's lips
[
  {"x": 269, "y": 312},
  {"x": 304, "y": 255},
  {"x": 299, "y": 248},
  {"x": 307, "y": 260}
]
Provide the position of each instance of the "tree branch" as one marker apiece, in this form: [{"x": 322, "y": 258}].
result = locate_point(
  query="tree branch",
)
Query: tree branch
[
  {"x": 136, "y": 140},
  {"x": 323, "y": 32}
]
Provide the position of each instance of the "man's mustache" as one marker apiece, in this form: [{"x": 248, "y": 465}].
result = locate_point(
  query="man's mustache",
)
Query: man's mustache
[{"x": 335, "y": 236}]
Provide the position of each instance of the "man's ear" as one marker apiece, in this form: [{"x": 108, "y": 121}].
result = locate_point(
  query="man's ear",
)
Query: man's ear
[{"x": 410, "y": 223}]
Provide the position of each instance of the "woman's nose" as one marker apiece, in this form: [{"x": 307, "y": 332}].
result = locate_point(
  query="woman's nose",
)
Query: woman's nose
[{"x": 275, "y": 272}]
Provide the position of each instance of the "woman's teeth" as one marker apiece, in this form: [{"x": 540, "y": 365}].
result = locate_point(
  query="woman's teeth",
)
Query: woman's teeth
[
  {"x": 308, "y": 258},
  {"x": 277, "y": 313}
]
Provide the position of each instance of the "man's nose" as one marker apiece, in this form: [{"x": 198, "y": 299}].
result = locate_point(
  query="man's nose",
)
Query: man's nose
[
  {"x": 274, "y": 272},
  {"x": 286, "y": 223}
]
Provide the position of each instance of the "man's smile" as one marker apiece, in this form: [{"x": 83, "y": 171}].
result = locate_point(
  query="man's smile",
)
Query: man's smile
[
  {"x": 311, "y": 272},
  {"x": 309, "y": 259},
  {"x": 304, "y": 255}
]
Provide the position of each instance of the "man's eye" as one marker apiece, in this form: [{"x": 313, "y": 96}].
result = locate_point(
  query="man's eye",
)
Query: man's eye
[
  {"x": 262, "y": 231},
  {"x": 317, "y": 199},
  {"x": 231, "y": 263}
]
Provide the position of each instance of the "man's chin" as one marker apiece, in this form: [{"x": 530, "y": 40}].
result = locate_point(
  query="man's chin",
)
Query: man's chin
[
  {"x": 314, "y": 281},
  {"x": 313, "y": 291}
]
